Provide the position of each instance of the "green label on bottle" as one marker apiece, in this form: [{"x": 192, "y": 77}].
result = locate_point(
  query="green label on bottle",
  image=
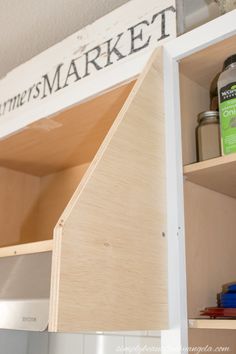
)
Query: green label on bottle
[{"x": 228, "y": 117}]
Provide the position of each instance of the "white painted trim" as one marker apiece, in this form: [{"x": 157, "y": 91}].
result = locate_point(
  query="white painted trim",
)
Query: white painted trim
[
  {"x": 212, "y": 32},
  {"x": 183, "y": 46},
  {"x": 176, "y": 122},
  {"x": 177, "y": 336}
]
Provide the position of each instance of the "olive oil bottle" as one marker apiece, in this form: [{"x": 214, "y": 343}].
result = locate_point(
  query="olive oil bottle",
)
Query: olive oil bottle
[{"x": 227, "y": 105}]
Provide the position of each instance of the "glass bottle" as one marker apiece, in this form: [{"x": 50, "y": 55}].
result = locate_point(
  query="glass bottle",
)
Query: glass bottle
[
  {"x": 227, "y": 105},
  {"x": 226, "y": 5}
]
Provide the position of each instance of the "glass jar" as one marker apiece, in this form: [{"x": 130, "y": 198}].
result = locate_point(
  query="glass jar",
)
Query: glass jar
[
  {"x": 208, "y": 135},
  {"x": 226, "y": 5}
]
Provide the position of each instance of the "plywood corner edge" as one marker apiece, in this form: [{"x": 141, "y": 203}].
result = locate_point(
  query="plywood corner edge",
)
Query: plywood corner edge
[{"x": 55, "y": 279}]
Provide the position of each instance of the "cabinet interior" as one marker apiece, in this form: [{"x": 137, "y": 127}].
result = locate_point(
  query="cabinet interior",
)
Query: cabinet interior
[
  {"x": 210, "y": 204},
  {"x": 42, "y": 165}
]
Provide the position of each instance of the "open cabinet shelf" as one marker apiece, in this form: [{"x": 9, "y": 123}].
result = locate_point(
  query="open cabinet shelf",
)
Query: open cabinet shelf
[
  {"x": 217, "y": 174},
  {"x": 201, "y": 323},
  {"x": 201, "y": 67},
  {"x": 42, "y": 165},
  {"x": 41, "y": 168},
  {"x": 27, "y": 248},
  {"x": 209, "y": 202},
  {"x": 85, "y": 178}
]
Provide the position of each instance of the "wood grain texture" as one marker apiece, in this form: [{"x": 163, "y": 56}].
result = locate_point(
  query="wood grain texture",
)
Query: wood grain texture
[
  {"x": 212, "y": 323},
  {"x": 189, "y": 112},
  {"x": 19, "y": 194},
  {"x": 218, "y": 174},
  {"x": 31, "y": 206},
  {"x": 27, "y": 248},
  {"x": 67, "y": 139},
  {"x": 56, "y": 191},
  {"x": 110, "y": 258},
  {"x": 210, "y": 245},
  {"x": 203, "y": 65}
]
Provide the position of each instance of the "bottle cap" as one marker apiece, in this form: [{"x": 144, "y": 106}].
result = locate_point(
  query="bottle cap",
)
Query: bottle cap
[{"x": 229, "y": 60}]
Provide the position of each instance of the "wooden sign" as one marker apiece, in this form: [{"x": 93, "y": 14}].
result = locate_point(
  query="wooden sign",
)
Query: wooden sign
[{"x": 110, "y": 51}]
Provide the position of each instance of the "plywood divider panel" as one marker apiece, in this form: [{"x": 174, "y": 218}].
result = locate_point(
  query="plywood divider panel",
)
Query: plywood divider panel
[{"x": 110, "y": 257}]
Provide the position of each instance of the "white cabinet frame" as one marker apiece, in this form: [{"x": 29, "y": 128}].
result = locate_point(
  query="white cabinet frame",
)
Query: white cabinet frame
[{"x": 215, "y": 31}]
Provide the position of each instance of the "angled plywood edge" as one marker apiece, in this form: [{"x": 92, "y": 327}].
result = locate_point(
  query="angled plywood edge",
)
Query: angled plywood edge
[{"x": 109, "y": 269}]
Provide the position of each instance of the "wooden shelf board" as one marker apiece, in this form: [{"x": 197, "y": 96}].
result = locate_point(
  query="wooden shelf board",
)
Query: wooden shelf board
[
  {"x": 208, "y": 323},
  {"x": 69, "y": 138},
  {"x": 217, "y": 174},
  {"x": 210, "y": 58},
  {"x": 27, "y": 248}
]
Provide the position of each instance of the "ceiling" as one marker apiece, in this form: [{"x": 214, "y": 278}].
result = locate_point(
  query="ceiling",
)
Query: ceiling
[{"x": 27, "y": 27}]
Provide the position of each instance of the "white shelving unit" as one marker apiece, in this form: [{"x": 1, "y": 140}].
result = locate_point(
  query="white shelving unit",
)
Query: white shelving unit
[
  {"x": 133, "y": 245},
  {"x": 207, "y": 217}
]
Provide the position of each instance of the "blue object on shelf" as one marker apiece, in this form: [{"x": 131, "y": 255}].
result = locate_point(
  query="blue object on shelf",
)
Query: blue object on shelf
[
  {"x": 228, "y": 296},
  {"x": 232, "y": 287}
]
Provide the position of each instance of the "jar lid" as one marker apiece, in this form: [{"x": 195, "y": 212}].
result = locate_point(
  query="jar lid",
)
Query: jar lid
[
  {"x": 208, "y": 115},
  {"x": 230, "y": 60}
]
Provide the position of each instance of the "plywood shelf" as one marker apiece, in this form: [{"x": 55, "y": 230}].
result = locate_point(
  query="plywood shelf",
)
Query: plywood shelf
[
  {"x": 206, "y": 323},
  {"x": 218, "y": 174},
  {"x": 67, "y": 139},
  {"x": 27, "y": 248}
]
